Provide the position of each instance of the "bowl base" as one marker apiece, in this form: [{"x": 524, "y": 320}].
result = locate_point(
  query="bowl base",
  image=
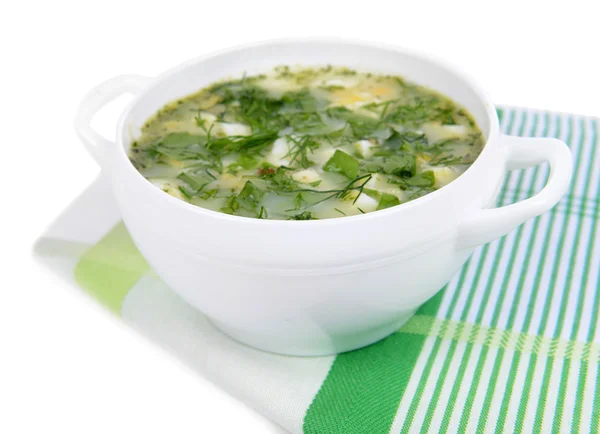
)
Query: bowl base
[{"x": 315, "y": 345}]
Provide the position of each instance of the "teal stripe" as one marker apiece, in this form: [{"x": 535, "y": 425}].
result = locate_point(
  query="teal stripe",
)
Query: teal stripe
[
  {"x": 592, "y": 331},
  {"x": 554, "y": 288},
  {"x": 449, "y": 359},
  {"x": 570, "y": 287},
  {"x": 504, "y": 289},
  {"x": 524, "y": 401},
  {"x": 421, "y": 388},
  {"x": 577, "y": 412},
  {"x": 425, "y": 375},
  {"x": 475, "y": 385},
  {"x": 407, "y": 426},
  {"x": 461, "y": 372},
  {"x": 468, "y": 349},
  {"x": 514, "y": 364}
]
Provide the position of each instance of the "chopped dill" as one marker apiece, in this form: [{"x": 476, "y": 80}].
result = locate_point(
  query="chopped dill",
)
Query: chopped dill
[{"x": 306, "y": 143}]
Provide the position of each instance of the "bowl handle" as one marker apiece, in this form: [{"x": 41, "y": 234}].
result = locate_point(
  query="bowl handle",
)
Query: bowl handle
[
  {"x": 522, "y": 152},
  {"x": 98, "y": 97}
]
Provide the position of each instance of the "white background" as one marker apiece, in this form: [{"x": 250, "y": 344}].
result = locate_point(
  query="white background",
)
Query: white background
[{"x": 65, "y": 365}]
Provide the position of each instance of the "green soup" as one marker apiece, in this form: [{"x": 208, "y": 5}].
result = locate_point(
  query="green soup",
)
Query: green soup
[{"x": 302, "y": 144}]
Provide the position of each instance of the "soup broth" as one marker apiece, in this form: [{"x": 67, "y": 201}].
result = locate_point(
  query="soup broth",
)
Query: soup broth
[{"x": 306, "y": 143}]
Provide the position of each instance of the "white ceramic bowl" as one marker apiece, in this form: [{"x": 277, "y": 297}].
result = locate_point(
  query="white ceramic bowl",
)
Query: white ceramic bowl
[{"x": 326, "y": 286}]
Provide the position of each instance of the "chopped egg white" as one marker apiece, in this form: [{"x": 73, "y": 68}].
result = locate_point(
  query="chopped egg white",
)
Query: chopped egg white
[
  {"x": 364, "y": 148},
  {"x": 306, "y": 176},
  {"x": 376, "y": 182},
  {"x": 366, "y": 203},
  {"x": 321, "y": 156},
  {"x": 278, "y": 87},
  {"x": 232, "y": 129},
  {"x": 379, "y": 182},
  {"x": 208, "y": 118},
  {"x": 339, "y": 82},
  {"x": 279, "y": 151},
  {"x": 280, "y": 148},
  {"x": 443, "y": 175},
  {"x": 168, "y": 187},
  {"x": 228, "y": 180},
  {"x": 436, "y": 131}
]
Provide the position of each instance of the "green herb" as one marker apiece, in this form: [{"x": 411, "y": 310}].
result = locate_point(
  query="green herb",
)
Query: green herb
[
  {"x": 424, "y": 179},
  {"x": 196, "y": 181},
  {"x": 420, "y": 192},
  {"x": 277, "y": 179},
  {"x": 387, "y": 200},
  {"x": 374, "y": 194},
  {"x": 208, "y": 194},
  {"x": 184, "y": 192},
  {"x": 406, "y": 141},
  {"x": 263, "y": 214},
  {"x": 299, "y": 201},
  {"x": 357, "y": 184},
  {"x": 246, "y": 203},
  {"x": 342, "y": 163},
  {"x": 244, "y": 162},
  {"x": 306, "y": 215},
  {"x": 251, "y": 194},
  {"x": 181, "y": 139},
  {"x": 201, "y": 122},
  {"x": 253, "y": 143},
  {"x": 358, "y": 126},
  {"x": 402, "y": 165},
  {"x": 308, "y": 118},
  {"x": 180, "y": 146},
  {"x": 300, "y": 149},
  {"x": 255, "y": 107},
  {"x": 231, "y": 205}
]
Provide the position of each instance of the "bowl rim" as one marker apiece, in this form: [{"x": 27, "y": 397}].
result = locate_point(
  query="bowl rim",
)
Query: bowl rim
[{"x": 443, "y": 64}]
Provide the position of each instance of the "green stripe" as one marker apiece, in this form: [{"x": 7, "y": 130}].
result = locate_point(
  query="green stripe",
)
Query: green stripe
[
  {"x": 569, "y": 287},
  {"x": 504, "y": 290},
  {"x": 553, "y": 287},
  {"x": 595, "y": 426},
  {"x": 528, "y": 383},
  {"x": 473, "y": 338},
  {"x": 363, "y": 388},
  {"x": 498, "y": 253},
  {"x": 468, "y": 349},
  {"x": 407, "y": 426},
  {"x": 514, "y": 364},
  {"x": 109, "y": 269},
  {"x": 582, "y": 383},
  {"x": 592, "y": 331},
  {"x": 425, "y": 375},
  {"x": 475, "y": 385}
]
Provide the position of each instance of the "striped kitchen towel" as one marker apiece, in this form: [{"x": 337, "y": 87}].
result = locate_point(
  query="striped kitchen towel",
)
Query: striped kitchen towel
[{"x": 511, "y": 344}]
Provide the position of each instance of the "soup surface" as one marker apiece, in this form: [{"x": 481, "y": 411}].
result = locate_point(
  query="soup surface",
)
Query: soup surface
[{"x": 306, "y": 143}]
